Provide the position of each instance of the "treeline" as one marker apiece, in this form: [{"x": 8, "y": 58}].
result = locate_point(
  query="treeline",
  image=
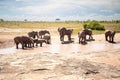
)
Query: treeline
[
  {"x": 67, "y": 21},
  {"x": 113, "y": 21}
]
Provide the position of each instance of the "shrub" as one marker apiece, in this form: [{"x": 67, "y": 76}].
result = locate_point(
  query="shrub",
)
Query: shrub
[{"x": 94, "y": 25}]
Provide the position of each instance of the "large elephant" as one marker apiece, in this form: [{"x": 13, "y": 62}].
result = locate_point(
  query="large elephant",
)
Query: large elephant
[
  {"x": 24, "y": 41},
  {"x": 82, "y": 36},
  {"x": 28, "y": 41},
  {"x": 89, "y": 33},
  {"x": 18, "y": 40},
  {"x": 109, "y": 34},
  {"x": 33, "y": 34},
  {"x": 43, "y": 32},
  {"x": 63, "y": 31},
  {"x": 47, "y": 37}
]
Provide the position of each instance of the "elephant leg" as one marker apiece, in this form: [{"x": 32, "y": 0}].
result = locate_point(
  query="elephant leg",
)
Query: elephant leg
[
  {"x": 49, "y": 41},
  {"x": 79, "y": 40},
  {"x": 60, "y": 38},
  {"x": 63, "y": 38},
  {"x": 32, "y": 44},
  {"x": 69, "y": 37},
  {"x": 106, "y": 37},
  {"x": 23, "y": 46},
  {"x": 84, "y": 39},
  {"x": 112, "y": 38},
  {"x": 41, "y": 44},
  {"x": 16, "y": 45},
  {"x": 91, "y": 37}
]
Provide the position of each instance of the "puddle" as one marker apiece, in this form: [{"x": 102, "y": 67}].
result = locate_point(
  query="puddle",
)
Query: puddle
[{"x": 63, "y": 48}]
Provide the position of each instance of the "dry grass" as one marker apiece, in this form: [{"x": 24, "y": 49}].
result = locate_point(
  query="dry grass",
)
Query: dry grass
[{"x": 77, "y": 26}]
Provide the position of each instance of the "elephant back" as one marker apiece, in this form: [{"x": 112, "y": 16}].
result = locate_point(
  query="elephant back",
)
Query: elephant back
[
  {"x": 18, "y": 39},
  {"x": 33, "y": 34},
  {"x": 110, "y": 32},
  {"x": 88, "y": 31},
  {"x": 81, "y": 34},
  {"x": 43, "y": 32}
]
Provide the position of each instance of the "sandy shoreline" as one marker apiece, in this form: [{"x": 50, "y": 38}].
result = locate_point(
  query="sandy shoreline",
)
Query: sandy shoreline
[{"x": 81, "y": 63}]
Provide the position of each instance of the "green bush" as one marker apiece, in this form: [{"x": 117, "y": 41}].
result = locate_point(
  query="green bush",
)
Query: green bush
[{"x": 94, "y": 25}]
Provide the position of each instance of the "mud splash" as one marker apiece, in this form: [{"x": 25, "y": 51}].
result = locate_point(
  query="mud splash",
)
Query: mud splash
[{"x": 63, "y": 48}]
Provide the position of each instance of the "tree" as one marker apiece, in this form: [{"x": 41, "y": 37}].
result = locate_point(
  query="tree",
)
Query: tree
[
  {"x": 1, "y": 20},
  {"x": 57, "y": 19},
  {"x": 25, "y": 20}
]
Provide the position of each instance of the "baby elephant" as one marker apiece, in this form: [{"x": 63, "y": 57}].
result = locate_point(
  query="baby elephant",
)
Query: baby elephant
[
  {"x": 47, "y": 37},
  {"x": 109, "y": 34},
  {"x": 82, "y": 37},
  {"x": 40, "y": 41}
]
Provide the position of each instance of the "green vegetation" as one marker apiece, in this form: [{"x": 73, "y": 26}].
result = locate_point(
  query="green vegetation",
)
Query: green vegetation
[
  {"x": 94, "y": 25},
  {"x": 98, "y": 27}
]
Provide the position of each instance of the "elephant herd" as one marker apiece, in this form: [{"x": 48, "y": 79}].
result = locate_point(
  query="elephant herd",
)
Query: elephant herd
[
  {"x": 44, "y": 36},
  {"x": 33, "y": 38}
]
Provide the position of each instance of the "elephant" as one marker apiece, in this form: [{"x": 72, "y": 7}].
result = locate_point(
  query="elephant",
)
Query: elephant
[
  {"x": 47, "y": 37},
  {"x": 64, "y": 31},
  {"x": 40, "y": 41},
  {"x": 33, "y": 34},
  {"x": 89, "y": 33},
  {"x": 24, "y": 41},
  {"x": 82, "y": 36},
  {"x": 28, "y": 41},
  {"x": 18, "y": 40},
  {"x": 109, "y": 34},
  {"x": 43, "y": 32}
]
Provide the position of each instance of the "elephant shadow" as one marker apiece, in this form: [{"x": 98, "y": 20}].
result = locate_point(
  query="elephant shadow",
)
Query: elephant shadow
[
  {"x": 67, "y": 42},
  {"x": 90, "y": 39},
  {"x": 112, "y": 42},
  {"x": 84, "y": 43},
  {"x": 28, "y": 48}
]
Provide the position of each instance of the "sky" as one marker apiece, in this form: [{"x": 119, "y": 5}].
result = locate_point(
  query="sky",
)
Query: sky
[{"x": 49, "y": 10}]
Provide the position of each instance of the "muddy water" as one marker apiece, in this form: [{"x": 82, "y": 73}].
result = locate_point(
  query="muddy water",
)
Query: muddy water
[{"x": 63, "y": 48}]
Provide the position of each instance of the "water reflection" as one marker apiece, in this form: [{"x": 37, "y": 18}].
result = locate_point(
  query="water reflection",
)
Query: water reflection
[{"x": 63, "y": 48}]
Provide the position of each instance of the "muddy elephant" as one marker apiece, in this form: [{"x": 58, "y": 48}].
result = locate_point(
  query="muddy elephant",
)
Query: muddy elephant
[
  {"x": 64, "y": 31},
  {"x": 24, "y": 41},
  {"x": 82, "y": 37},
  {"x": 109, "y": 35},
  {"x": 47, "y": 37},
  {"x": 43, "y": 32},
  {"x": 33, "y": 34},
  {"x": 89, "y": 33}
]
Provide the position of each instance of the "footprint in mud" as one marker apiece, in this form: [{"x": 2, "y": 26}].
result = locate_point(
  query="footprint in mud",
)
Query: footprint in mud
[{"x": 87, "y": 68}]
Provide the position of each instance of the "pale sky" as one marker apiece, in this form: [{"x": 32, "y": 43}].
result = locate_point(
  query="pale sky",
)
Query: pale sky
[{"x": 49, "y": 10}]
